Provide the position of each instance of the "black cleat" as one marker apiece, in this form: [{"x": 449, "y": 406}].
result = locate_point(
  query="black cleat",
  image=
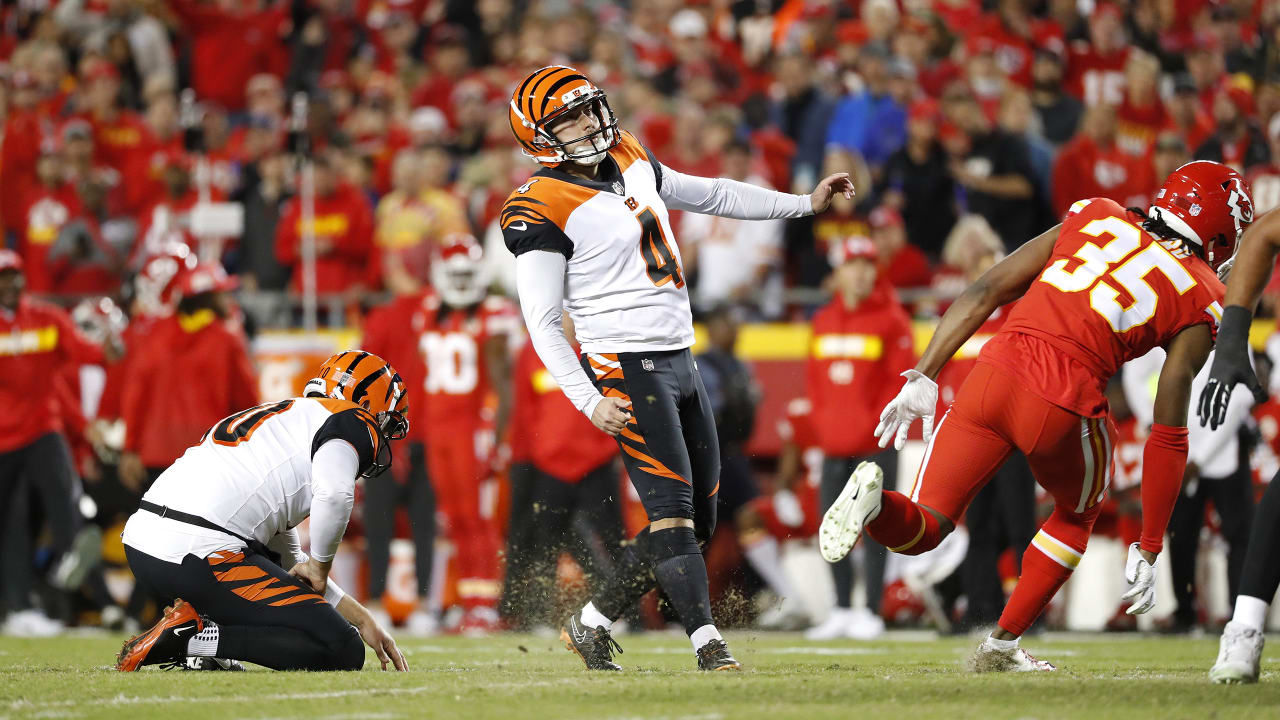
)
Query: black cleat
[
  {"x": 207, "y": 663},
  {"x": 715, "y": 656},
  {"x": 593, "y": 644},
  {"x": 165, "y": 642}
]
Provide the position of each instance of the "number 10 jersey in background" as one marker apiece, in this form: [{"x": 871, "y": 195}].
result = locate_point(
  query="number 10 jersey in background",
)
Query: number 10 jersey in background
[
  {"x": 624, "y": 284},
  {"x": 1109, "y": 293}
]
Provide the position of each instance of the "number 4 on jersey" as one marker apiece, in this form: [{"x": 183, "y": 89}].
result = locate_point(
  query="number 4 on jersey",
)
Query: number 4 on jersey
[{"x": 658, "y": 257}]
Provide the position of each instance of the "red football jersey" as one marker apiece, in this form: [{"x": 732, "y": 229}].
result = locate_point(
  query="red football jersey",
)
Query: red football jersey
[
  {"x": 796, "y": 426},
  {"x": 451, "y": 344},
  {"x": 1264, "y": 180},
  {"x": 1094, "y": 77},
  {"x": 548, "y": 430},
  {"x": 1109, "y": 293}
]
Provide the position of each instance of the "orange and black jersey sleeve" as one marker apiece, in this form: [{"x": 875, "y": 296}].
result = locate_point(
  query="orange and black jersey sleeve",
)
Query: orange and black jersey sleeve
[
  {"x": 530, "y": 222},
  {"x": 356, "y": 426}
]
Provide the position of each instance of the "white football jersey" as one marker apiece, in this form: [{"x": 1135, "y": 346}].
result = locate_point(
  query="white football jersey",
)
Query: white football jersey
[
  {"x": 250, "y": 474},
  {"x": 624, "y": 285}
]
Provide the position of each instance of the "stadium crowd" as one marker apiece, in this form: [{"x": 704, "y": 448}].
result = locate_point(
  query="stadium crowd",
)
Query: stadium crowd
[{"x": 970, "y": 128}]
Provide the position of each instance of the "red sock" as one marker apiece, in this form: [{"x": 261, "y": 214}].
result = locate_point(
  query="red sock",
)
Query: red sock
[
  {"x": 1051, "y": 557},
  {"x": 903, "y": 526}
]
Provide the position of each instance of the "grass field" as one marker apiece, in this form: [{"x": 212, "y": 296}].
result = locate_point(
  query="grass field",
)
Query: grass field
[{"x": 903, "y": 677}]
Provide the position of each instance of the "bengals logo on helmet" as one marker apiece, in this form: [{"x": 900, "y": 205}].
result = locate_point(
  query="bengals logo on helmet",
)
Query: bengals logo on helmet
[
  {"x": 555, "y": 92},
  {"x": 370, "y": 382}
]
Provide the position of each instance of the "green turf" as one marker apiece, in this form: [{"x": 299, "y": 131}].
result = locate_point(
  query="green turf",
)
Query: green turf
[{"x": 903, "y": 677}]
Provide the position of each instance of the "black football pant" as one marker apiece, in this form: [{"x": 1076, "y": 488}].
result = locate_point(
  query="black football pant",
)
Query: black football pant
[
  {"x": 264, "y": 615},
  {"x": 835, "y": 475},
  {"x": 672, "y": 456},
  {"x": 382, "y": 495},
  {"x": 42, "y": 469},
  {"x": 1233, "y": 498},
  {"x": 550, "y": 516}
]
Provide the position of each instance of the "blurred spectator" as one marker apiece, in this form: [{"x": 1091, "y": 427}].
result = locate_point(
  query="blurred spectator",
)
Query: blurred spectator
[
  {"x": 230, "y": 42},
  {"x": 1097, "y": 66},
  {"x": 802, "y": 111},
  {"x": 1206, "y": 68},
  {"x": 1237, "y": 142},
  {"x": 734, "y": 397},
  {"x": 904, "y": 265},
  {"x": 994, "y": 173},
  {"x": 734, "y": 261},
  {"x": 844, "y": 219},
  {"x": 1009, "y": 36},
  {"x": 1188, "y": 114},
  {"x": 1015, "y": 116},
  {"x": 918, "y": 183},
  {"x": 414, "y": 217},
  {"x": 263, "y": 202},
  {"x": 47, "y": 207},
  {"x": 861, "y": 340},
  {"x": 1142, "y": 113},
  {"x": 1059, "y": 112},
  {"x": 1264, "y": 179},
  {"x": 869, "y": 120},
  {"x": 118, "y": 133},
  {"x": 1093, "y": 165},
  {"x": 342, "y": 226}
]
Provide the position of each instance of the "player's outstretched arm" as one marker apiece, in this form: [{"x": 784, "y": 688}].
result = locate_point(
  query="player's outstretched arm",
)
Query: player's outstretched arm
[
  {"x": 373, "y": 634},
  {"x": 744, "y": 201},
  {"x": 1164, "y": 460},
  {"x": 1249, "y": 275}
]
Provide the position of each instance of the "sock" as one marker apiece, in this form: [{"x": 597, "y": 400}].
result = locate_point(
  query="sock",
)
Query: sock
[
  {"x": 1250, "y": 612},
  {"x": 762, "y": 553},
  {"x": 593, "y": 617},
  {"x": 1049, "y": 560},
  {"x": 682, "y": 573},
  {"x": 704, "y": 635},
  {"x": 1261, "y": 574},
  {"x": 903, "y": 526},
  {"x": 999, "y": 644},
  {"x": 205, "y": 642},
  {"x": 631, "y": 580}
]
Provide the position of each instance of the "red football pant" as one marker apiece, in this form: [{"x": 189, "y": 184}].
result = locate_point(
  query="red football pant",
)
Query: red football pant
[
  {"x": 1069, "y": 455},
  {"x": 458, "y": 476}
]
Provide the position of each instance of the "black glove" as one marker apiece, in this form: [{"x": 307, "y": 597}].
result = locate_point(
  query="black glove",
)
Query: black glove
[{"x": 1230, "y": 366}]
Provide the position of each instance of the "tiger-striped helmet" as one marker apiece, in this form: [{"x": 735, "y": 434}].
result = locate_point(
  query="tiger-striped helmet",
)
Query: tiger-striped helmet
[
  {"x": 370, "y": 382},
  {"x": 556, "y": 92}
]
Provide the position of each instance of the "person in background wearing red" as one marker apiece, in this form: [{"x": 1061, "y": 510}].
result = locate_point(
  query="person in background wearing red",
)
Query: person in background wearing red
[
  {"x": 118, "y": 133},
  {"x": 343, "y": 228},
  {"x": 571, "y": 470},
  {"x": 860, "y": 339},
  {"x": 789, "y": 513},
  {"x": 905, "y": 265},
  {"x": 1264, "y": 178},
  {"x": 1142, "y": 115},
  {"x": 1093, "y": 165},
  {"x": 230, "y": 42},
  {"x": 1190, "y": 119},
  {"x": 1238, "y": 142},
  {"x": 1096, "y": 68},
  {"x": 20, "y": 144},
  {"x": 48, "y": 205},
  {"x": 162, "y": 408},
  {"x": 37, "y": 341}
]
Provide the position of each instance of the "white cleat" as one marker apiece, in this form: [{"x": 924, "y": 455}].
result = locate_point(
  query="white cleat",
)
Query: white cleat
[
  {"x": 1239, "y": 654},
  {"x": 421, "y": 624},
  {"x": 866, "y": 625},
  {"x": 858, "y": 504},
  {"x": 988, "y": 658},
  {"x": 836, "y": 625}
]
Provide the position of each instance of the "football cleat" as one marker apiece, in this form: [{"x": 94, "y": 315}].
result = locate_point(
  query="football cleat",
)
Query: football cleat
[
  {"x": 988, "y": 658},
  {"x": 593, "y": 644},
  {"x": 858, "y": 504},
  {"x": 165, "y": 642},
  {"x": 715, "y": 656},
  {"x": 1239, "y": 653},
  {"x": 211, "y": 664}
]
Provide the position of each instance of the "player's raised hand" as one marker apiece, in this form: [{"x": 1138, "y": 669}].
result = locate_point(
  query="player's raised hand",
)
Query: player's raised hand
[
  {"x": 917, "y": 399},
  {"x": 830, "y": 185},
  {"x": 611, "y": 415},
  {"x": 1140, "y": 573},
  {"x": 1230, "y": 366}
]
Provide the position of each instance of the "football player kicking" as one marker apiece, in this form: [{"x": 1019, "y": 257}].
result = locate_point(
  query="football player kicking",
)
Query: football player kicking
[
  {"x": 213, "y": 528},
  {"x": 1102, "y": 288},
  {"x": 591, "y": 235},
  {"x": 1240, "y": 650}
]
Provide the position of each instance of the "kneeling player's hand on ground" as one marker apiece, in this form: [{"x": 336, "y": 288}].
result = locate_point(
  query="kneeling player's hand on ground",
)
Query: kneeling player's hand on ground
[
  {"x": 611, "y": 415},
  {"x": 1140, "y": 573},
  {"x": 917, "y": 399},
  {"x": 312, "y": 572},
  {"x": 382, "y": 643},
  {"x": 827, "y": 189}
]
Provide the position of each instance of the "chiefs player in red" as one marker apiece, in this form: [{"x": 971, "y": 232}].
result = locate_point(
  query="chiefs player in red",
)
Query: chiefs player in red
[
  {"x": 1102, "y": 288},
  {"x": 462, "y": 336}
]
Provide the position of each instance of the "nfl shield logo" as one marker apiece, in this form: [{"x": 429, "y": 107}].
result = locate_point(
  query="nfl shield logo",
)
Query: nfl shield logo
[
  {"x": 617, "y": 187},
  {"x": 647, "y": 364}
]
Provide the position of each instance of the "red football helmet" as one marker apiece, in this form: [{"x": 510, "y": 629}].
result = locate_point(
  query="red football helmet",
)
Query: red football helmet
[
  {"x": 458, "y": 271},
  {"x": 155, "y": 286},
  {"x": 1208, "y": 204}
]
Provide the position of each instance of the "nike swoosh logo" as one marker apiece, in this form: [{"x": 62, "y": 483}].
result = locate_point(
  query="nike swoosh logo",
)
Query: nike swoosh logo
[
  {"x": 178, "y": 632},
  {"x": 522, "y": 226},
  {"x": 579, "y": 637}
]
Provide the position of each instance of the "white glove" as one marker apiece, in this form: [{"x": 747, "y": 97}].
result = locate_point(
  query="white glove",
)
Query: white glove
[
  {"x": 1142, "y": 576},
  {"x": 917, "y": 399}
]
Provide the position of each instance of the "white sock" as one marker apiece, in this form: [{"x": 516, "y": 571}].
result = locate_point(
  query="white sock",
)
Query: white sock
[
  {"x": 704, "y": 635},
  {"x": 765, "y": 559},
  {"x": 205, "y": 642},
  {"x": 593, "y": 617},
  {"x": 1250, "y": 612},
  {"x": 999, "y": 644}
]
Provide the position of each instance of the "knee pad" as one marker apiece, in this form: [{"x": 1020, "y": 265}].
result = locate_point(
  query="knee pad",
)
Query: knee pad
[{"x": 673, "y": 542}]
